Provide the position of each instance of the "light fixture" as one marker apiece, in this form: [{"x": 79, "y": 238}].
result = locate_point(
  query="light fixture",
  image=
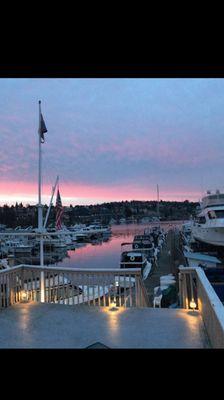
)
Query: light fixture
[
  {"x": 192, "y": 304},
  {"x": 24, "y": 296},
  {"x": 113, "y": 305}
]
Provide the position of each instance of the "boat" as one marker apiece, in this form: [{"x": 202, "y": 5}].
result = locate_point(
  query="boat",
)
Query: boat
[
  {"x": 15, "y": 246},
  {"x": 4, "y": 263},
  {"x": 145, "y": 245},
  {"x": 94, "y": 231},
  {"x": 195, "y": 259},
  {"x": 54, "y": 241},
  {"x": 136, "y": 259},
  {"x": 187, "y": 227},
  {"x": 208, "y": 226},
  {"x": 150, "y": 243},
  {"x": 142, "y": 242}
]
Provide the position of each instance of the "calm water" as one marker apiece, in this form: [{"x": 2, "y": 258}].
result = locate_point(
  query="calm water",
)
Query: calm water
[{"x": 106, "y": 254}]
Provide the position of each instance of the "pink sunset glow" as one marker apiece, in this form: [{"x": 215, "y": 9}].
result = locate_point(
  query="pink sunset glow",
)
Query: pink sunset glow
[
  {"x": 10, "y": 192},
  {"x": 112, "y": 139}
]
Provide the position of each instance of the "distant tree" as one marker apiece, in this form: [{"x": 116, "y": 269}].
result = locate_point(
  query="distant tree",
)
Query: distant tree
[{"x": 127, "y": 212}]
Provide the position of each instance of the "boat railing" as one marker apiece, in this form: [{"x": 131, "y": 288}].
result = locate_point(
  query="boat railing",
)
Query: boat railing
[
  {"x": 197, "y": 293},
  {"x": 93, "y": 287}
]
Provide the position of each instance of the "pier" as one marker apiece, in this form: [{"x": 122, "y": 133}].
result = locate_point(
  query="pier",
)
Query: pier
[{"x": 169, "y": 260}]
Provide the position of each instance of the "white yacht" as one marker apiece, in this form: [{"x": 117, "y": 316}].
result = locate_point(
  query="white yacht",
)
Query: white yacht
[
  {"x": 95, "y": 229},
  {"x": 209, "y": 224}
]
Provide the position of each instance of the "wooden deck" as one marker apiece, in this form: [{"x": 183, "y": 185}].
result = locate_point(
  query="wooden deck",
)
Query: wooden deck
[{"x": 35, "y": 325}]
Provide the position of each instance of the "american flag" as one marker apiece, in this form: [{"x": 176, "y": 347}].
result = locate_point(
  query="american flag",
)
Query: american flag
[
  {"x": 59, "y": 211},
  {"x": 42, "y": 128}
]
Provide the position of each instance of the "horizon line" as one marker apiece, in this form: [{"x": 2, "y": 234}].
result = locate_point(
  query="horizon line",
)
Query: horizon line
[{"x": 101, "y": 203}]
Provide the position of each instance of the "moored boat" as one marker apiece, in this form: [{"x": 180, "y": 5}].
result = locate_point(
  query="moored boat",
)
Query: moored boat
[
  {"x": 136, "y": 259},
  {"x": 208, "y": 226}
]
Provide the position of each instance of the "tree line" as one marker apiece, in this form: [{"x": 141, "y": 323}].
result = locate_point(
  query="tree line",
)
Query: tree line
[{"x": 20, "y": 215}]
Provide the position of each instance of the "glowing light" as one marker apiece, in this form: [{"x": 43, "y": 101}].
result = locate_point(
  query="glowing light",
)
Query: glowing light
[
  {"x": 113, "y": 305},
  {"x": 24, "y": 296},
  {"x": 192, "y": 304}
]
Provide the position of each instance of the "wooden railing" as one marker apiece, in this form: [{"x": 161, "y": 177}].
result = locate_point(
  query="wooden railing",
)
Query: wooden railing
[
  {"x": 95, "y": 287},
  {"x": 196, "y": 291}
]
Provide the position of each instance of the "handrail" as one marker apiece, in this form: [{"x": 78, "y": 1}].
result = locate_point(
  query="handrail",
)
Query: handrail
[
  {"x": 207, "y": 302},
  {"x": 86, "y": 270},
  {"x": 144, "y": 291},
  {"x": 72, "y": 286}
]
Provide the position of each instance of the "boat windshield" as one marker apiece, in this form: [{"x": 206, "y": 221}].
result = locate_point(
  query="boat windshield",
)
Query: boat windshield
[
  {"x": 219, "y": 213},
  {"x": 214, "y": 214}
]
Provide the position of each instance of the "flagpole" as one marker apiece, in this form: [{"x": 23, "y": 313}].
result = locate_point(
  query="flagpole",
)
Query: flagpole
[
  {"x": 40, "y": 216},
  {"x": 40, "y": 211}
]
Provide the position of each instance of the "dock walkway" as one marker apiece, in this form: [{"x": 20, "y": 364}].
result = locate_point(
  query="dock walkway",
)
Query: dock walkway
[{"x": 167, "y": 264}]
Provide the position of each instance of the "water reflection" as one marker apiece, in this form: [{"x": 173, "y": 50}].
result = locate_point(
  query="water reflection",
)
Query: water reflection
[
  {"x": 105, "y": 253},
  {"x": 100, "y": 253}
]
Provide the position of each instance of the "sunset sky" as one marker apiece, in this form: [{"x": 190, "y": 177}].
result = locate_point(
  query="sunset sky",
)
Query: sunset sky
[{"x": 112, "y": 139}]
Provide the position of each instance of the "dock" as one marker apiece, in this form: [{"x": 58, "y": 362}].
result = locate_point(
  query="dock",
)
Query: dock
[{"x": 168, "y": 261}]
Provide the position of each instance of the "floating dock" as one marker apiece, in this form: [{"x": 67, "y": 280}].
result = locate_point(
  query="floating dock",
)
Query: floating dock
[{"x": 168, "y": 261}]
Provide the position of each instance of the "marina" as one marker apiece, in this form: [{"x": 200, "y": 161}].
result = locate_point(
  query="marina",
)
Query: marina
[
  {"x": 111, "y": 293},
  {"x": 119, "y": 274}
]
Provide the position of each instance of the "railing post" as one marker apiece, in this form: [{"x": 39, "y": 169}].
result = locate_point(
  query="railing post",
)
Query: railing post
[
  {"x": 184, "y": 291},
  {"x": 137, "y": 291},
  {"x": 42, "y": 286},
  {"x": 180, "y": 276}
]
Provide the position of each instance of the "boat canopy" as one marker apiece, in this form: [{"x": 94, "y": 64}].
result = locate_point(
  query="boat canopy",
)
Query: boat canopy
[
  {"x": 201, "y": 257},
  {"x": 132, "y": 254}
]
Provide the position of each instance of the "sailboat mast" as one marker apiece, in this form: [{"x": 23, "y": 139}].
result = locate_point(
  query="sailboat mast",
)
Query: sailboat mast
[
  {"x": 49, "y": 208},
  {"x": 158, "y": 201}
]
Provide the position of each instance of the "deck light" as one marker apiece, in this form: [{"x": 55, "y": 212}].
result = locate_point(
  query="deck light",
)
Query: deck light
[
  {"x": 192, "y": 304},
  {"x": 113, "y": 305},
  {"x": 24, "y": 296}
]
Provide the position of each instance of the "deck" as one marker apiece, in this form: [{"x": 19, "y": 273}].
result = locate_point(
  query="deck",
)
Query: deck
[{"x": 36, "y": 325}]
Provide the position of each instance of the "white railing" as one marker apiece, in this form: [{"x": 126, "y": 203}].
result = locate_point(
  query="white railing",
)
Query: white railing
[
  {"x": 97, "y": 287},
  {"x": 197, "y": 292}
]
